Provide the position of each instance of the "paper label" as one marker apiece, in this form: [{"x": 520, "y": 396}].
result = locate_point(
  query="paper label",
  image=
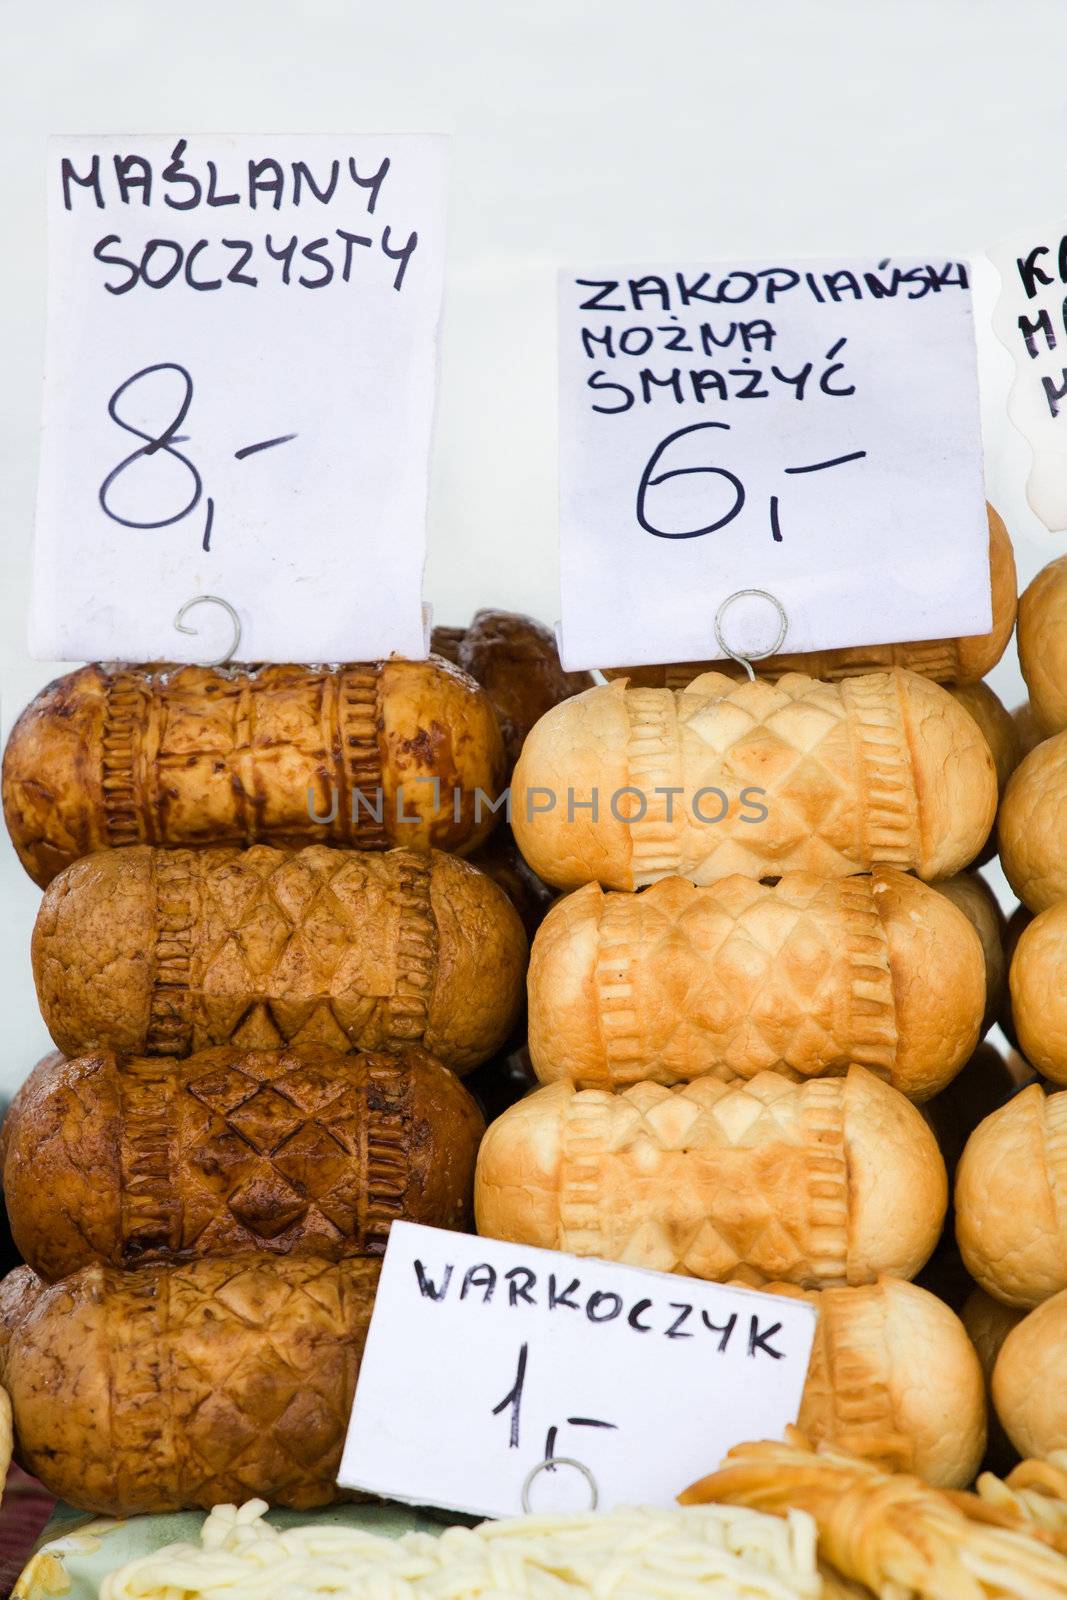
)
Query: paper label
[
  {"x": 240, "y": 379},
  {"x": 1030, "y": 318},
  {"x": 484, "y": 1359},
  {"x": 809, "y": 428}
]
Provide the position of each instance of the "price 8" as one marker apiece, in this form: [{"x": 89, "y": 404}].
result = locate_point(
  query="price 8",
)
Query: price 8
[{"x": 165, "y": 442}]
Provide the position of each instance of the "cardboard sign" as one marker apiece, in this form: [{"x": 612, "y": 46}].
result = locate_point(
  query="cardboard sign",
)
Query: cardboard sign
[
  {"x": 240, "y": 379},
  {"x": 486, "y": 1359},
  {"x": 808, "y": 428},
  {"x": 1030, "y": 318}
]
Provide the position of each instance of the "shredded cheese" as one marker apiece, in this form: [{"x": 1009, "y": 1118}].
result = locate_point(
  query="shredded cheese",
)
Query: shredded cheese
[{"x": 693, "y": 1553}]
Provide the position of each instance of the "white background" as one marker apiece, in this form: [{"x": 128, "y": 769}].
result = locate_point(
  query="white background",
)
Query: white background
[{"x": 603, "y": 131}]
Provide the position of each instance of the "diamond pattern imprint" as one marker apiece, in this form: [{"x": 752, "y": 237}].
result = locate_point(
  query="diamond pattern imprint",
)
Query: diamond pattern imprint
[
  {"x": 737, "y": 1227},
  {"x": 263, "y": 948},
  {"x": 754, "y": 984},
  {"x": 233, "y": 1377},
  {"x": 331, "y": 1154},
  {"x": 808, "y": 746}
]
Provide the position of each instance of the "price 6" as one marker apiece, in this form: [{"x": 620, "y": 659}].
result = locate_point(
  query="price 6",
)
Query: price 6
[{"x": 723, "y": 499}]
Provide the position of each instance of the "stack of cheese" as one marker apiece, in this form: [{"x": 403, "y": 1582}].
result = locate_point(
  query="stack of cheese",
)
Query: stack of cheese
[
  {"x": 1011, "y": 1191},
  {"x": 264, "y": 966},
  {"x": 732, "y": 1058}
]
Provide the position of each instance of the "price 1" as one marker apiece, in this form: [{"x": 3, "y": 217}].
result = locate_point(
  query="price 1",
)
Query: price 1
[{"x": 541, "y": 1360}]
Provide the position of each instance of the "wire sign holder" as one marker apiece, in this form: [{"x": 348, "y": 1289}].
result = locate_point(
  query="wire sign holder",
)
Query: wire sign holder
[
  {"x": 753, "y": 655},
  {"x": 211, "y": 600},
  {"x": 549, "y": 1464}
]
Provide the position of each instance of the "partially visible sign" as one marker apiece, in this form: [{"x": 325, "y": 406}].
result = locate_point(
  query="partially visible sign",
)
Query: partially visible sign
[
  {"x": 1030, "y": 318},
  {"x": 486, "y": 1359},
  {"x": 809, "y": 428},
  {"x": 240, "y": 380}
]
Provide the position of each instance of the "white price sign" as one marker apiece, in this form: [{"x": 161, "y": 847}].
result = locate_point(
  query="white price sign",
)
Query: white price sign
[
  {"x": 485, "y": 1360},
  {"x": 808, "y": 428},
  {"x": 240, "y": 377},
  {"x": 1030, "y": 318}
]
